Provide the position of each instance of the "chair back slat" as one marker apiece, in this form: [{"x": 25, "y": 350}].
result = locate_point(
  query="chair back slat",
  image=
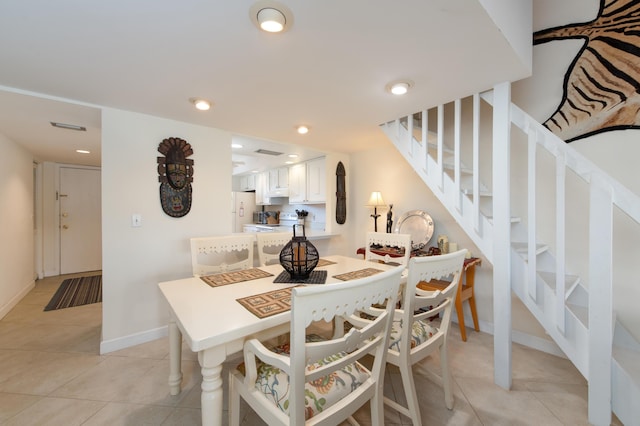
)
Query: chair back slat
[{"x": 223, "y": 253}]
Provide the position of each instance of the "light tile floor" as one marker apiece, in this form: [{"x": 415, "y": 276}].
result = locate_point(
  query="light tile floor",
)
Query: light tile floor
[{"x": 52, "y": 374}]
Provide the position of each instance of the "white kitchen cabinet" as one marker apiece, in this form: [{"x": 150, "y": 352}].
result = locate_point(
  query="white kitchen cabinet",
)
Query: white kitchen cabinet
[
  {"x": 262, "y": 188},
  {"x": 307, "y": 182},
  {"x": 279, "y": 182},
  {"x": 245, "y": 183}
]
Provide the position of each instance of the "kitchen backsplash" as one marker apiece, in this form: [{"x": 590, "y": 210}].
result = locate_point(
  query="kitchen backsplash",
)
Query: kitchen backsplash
[{"x": 315, "y": 219}]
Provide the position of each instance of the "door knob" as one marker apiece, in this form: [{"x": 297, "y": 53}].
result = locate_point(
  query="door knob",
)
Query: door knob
[
  {"x": 65, "y": 226},
  {"x": 65, "y": 214}
]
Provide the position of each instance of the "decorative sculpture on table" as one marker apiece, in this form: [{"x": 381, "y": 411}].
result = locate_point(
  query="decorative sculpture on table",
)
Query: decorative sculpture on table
[
  {"x": 389, "y": 220},
  {"x": 299, "y": 257},
  {"x": 175, "y": 172}
]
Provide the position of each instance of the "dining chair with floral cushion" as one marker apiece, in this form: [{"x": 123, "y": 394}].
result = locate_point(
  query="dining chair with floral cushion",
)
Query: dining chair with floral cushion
[
  {"x": 315, "y": 380},
  {"x": 224, "y": 253}
]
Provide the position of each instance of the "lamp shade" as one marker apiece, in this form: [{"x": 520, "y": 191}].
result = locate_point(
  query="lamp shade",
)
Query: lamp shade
[{"x": 375, "y": 200}]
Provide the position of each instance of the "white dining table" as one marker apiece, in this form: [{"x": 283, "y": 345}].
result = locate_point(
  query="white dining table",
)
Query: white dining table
[{"x": 215, "y": 325}]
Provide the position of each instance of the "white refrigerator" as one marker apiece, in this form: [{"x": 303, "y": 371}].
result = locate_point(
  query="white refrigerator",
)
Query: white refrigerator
[{"x": 243, "y": 205}]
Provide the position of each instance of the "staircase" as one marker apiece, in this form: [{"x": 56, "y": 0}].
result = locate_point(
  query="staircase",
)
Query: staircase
[{"x": 466, "y": 156}]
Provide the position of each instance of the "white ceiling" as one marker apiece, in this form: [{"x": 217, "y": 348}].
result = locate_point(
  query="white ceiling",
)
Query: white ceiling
[{"x": 328, "y": 70}]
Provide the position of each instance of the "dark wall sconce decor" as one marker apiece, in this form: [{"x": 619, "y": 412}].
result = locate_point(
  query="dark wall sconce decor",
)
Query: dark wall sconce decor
[{"x": 175, "y": 172}]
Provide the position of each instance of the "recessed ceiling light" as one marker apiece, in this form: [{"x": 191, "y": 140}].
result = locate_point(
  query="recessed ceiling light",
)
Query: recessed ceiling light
[
  {"x": 69, "y": 126},
  {"x": 303, "y": 130},
  {"x": 83, "y": 151},
  {"x": 271, "y": 16},
  {"x": 271, "y": 20},
  {"x": 236, "y": 145},
  {"x": 399, "y": 87},
  {"x": 293, "y": 156},
  {"x": 201, "y": 104},
  {"x": 288, "y": 162},
  {"x": 254, "y": 171}
]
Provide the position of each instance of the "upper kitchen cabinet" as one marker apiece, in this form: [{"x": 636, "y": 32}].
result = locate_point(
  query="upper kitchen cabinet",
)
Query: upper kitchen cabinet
[
  {"x": 307, "y": 182},
  {"x": 244, "y": 183},
  {"x": 279, "y": 182},
  {"x": 262, "y": 188}
]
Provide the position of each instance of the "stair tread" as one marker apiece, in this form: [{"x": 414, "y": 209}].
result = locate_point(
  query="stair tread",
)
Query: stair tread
[
  {"x": 550, "y": 279},
  {"x": 523, "y": 247},
  {"x": 629, "y": 360}
]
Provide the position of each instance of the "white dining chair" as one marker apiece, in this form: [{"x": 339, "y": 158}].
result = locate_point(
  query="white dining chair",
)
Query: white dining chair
[
  {"x": 422, "y": 326},
  {"x": 211, "y": 255},
  {"x": 320, "y": 381},
  {"x": 389, "y": 240},
  {"x": 269, "y": 246}
]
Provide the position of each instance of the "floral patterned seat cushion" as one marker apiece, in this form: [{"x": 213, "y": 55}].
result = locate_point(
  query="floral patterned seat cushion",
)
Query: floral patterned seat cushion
[
  {"x": 319, "y": 394},
  {"x": 421, "y": 331}
]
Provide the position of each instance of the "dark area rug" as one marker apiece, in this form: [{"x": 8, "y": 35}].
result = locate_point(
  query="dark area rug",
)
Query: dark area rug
[{"x": 76, "y": 292}]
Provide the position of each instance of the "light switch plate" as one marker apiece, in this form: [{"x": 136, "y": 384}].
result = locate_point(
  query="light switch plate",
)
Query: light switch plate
[{"x": 136, "y": 220}]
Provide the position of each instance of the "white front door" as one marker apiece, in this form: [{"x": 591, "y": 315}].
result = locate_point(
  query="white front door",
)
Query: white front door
[{"x": 80, "y": 220}]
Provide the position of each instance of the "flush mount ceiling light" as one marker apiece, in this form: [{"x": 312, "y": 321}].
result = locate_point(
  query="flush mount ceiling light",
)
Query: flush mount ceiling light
[
  {"x": 83, "y": 151},
  {"x": 271, "y": 16},
  {"x": 69, "y": 126},
  {"x": 236, "y": 145},
  {"x": 201, "y": 104},
  {"x": 399, "y": 87},
  {"x": 303, "y": 130}
]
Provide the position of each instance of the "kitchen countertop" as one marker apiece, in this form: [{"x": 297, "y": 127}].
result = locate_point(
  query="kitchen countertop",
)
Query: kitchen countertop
[{"x": 311, "y": 234}]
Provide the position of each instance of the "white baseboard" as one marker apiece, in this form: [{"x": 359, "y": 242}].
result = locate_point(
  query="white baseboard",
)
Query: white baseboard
[
  {"x": 4, "y": 310},
  {"x": 107, "y": 346},
  {"x": 525, "y": 339}
]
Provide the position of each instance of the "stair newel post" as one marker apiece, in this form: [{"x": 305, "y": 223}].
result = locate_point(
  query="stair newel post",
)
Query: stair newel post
[
  {"x": 561, "y": 197},
  {"x": 456, "y": 154},
  {"x": 600, "y": 300},
  {"x": 476, "y": 164},
  {"x": 502, "y": 235},
  {"x": 531, "y": 213},
  {"x": 440, "y": 146}
]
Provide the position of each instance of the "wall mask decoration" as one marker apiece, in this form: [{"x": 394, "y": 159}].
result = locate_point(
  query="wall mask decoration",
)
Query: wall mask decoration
[
  {"x": 602, "y": 84},
  {"x": 175, "y": 172},
  {"x": 341, "y": 194}
]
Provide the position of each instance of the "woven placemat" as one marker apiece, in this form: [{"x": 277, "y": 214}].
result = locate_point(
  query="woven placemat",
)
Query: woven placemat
[
  {"x": 315, "y": 277},
  {"x": 324, "y": 262},
  {"x": 233, "y": 277},
  {"x": 360, "y": 273},
  {"x": 267, "y": 304}
]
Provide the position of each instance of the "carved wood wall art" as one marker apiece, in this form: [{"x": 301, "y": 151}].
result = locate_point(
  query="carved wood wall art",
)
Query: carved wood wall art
[
  {"x": 175, "y": 172},
  {"x": 341, "y": 194}
]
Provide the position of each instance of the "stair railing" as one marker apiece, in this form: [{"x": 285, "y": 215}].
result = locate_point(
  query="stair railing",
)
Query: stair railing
[{"x": 605, "y": 193}]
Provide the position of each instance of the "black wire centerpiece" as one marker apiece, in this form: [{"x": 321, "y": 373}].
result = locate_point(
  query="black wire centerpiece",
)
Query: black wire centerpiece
[{"x": 299, "y": 257}]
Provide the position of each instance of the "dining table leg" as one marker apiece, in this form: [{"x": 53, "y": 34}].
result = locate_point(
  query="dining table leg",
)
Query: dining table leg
[
  {"x": 211, "y": 398},
  {"x": 175, "y": 358}
]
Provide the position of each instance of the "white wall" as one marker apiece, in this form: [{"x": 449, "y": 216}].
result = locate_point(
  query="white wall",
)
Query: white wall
[
  {"x": 136, "y": 259},
  {"x": 17, "y": 271}
]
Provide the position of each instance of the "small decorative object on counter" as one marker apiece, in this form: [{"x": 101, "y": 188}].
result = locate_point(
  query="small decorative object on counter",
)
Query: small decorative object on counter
[
  {"x": 299, "y": 257},
  {"x": 302, "y": 216},
  {"x": 443, "y": 244},
  {"x": 389, "y": 220}
]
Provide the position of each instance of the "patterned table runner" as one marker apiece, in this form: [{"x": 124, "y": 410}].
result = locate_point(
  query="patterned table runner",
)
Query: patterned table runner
[
  {"x": 361, "y": 273},
  {"x": 266, "y": 304},
  {"x": 324, "y": 262},
  {"x": 233, "y": 277}
]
